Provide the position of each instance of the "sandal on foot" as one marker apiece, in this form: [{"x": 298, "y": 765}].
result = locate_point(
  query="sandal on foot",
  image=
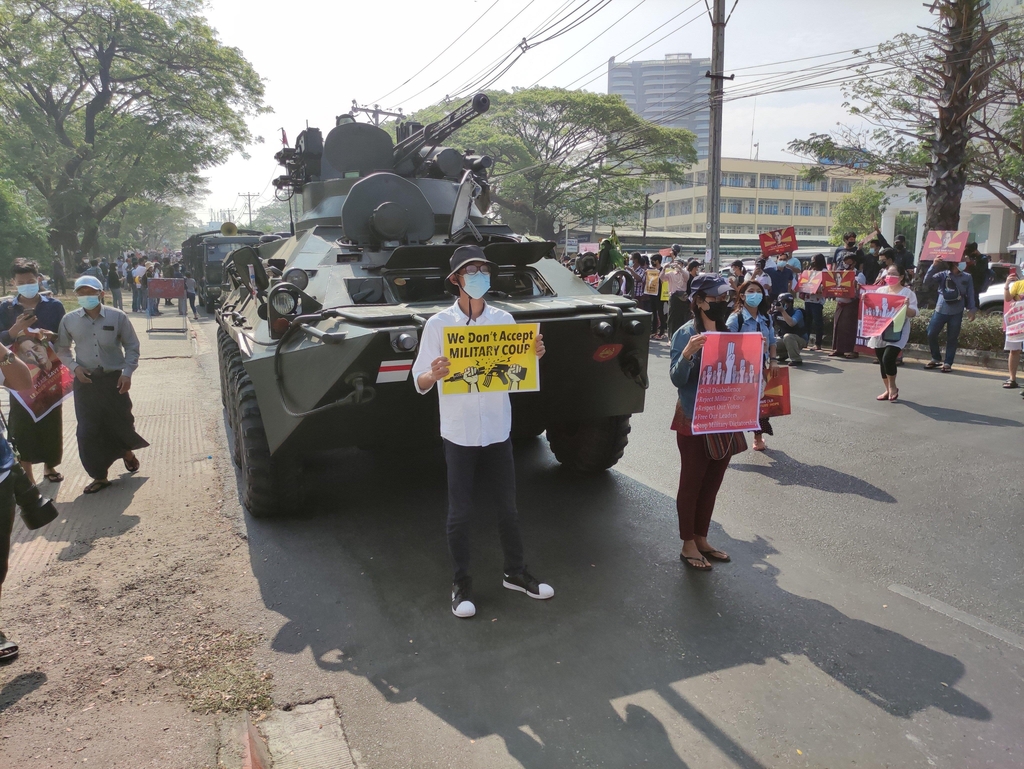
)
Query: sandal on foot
[
  {"x": 932, "y": 364},
  {"x": 695, "y": 563},
  {"x": 883, "y": 397},
  {"x": 716, "y": 555},
  {"x": 54, "y": 477},
  {"x": 1010, "y": 384},
  {"x": 95, "y": 486},
  {"x": 851, "y": 355},
  {"x": 894, "y": 397},
  {"x": 8, "y": 649},
  {"x": 131, "y": 465},
  {"x": 945, "y": 369}
]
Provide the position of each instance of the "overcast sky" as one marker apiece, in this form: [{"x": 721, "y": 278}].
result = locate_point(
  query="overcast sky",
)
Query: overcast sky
[{"x": 317, "y": 56}]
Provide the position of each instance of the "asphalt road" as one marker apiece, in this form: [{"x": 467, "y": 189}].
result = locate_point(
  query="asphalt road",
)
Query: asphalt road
[{"x": 805, "y": 651}]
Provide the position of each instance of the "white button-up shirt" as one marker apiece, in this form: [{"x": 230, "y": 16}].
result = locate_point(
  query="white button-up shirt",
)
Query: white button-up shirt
[{"x": 467, "y": 419}]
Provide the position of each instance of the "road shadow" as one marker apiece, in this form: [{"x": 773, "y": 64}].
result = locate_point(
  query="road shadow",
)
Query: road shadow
[
  {"x": 815, "y": 367},
  {"x": 956, "y": 416},
  {"x": 365, "y": 587},
  {"x": 787, "y": 471},
  {"x": 20, "y": 686}
]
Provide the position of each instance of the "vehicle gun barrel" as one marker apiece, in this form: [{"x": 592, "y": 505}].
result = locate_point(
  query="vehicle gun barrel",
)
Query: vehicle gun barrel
[{"x": 435, "y": 133}]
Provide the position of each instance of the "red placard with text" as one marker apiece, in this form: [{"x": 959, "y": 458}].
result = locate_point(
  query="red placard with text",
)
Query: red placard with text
[
  {"x": 1013, "y": 320},
  {"x": 877, "y": 311},
  {"x": 947, "y": 245},
  {"x": 809, "y": 282},
  {"x": 775, "y": 400},
  {"x": 729, "y": 387},
  {"x": 51, "y": 380},
  {"x": 839, "y": 285},
  {"x": 777, "y": 242}
]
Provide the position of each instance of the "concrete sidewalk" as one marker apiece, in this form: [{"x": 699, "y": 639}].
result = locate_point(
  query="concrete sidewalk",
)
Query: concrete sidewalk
[{"x": 133, "y": 609}]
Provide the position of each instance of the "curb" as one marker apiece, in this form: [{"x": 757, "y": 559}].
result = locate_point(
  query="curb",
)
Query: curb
[{"x": 989, "y": 359}]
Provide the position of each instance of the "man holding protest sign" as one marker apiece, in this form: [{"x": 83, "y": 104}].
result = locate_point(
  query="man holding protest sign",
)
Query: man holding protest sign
[
  {"x": 1013, "y": 321},
  {"x": 476, "y": 421}
]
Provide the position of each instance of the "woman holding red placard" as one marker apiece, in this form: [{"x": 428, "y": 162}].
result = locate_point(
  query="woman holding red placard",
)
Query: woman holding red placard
[
  {"x": 814, "y": 304},
  {"x": 844, "y": 329},
  {"x": 703, "y": 459},
  {"x": 889, "y": 343},
  {"x": 749, "y": 316}
]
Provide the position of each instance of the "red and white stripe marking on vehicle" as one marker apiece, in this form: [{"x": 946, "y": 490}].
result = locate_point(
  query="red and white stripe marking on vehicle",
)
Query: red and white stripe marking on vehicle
[{"x": 393, "y": 371}]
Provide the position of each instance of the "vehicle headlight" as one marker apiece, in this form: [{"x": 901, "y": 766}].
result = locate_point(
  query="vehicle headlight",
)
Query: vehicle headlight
[
  {"x": 297, "y": 278},
  {"x": 284, "y": 302}
]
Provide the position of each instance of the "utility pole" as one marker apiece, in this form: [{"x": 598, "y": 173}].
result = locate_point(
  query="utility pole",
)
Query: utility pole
[
  {"x": 375, "y": 112},
  {"x": 248, "y": 202},
  {"x": 647, "y": 210},
  {"x": 717, "y": 75}
]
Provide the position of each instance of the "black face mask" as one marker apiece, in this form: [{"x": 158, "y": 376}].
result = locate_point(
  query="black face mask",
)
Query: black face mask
[{"x": 717, "y": 311}]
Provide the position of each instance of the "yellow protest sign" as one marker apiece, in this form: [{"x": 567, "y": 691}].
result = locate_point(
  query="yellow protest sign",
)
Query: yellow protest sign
[{"x": 489, "y": 359}]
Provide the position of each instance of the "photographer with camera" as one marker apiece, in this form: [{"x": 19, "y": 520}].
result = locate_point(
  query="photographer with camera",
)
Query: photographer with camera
[
  {"x": 14, "y": 374},
  {"x": 790, "y": 328}
]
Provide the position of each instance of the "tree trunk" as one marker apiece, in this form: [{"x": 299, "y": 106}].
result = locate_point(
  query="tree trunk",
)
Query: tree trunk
[{"x": 66, "y": 238}]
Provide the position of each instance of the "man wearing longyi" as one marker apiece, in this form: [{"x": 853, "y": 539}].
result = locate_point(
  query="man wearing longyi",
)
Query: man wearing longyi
[{"x": 475, "y": 427}]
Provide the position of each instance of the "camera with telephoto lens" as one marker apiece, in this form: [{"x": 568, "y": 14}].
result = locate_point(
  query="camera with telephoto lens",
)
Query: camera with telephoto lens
[{"x": 36, "y": 510}]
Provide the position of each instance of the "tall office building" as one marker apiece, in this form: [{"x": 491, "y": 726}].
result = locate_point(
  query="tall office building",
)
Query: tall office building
[{"x": 672, "y": 92}]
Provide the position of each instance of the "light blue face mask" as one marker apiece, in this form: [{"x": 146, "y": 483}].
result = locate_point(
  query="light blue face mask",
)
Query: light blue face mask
[
  {"x": 28, "y": 290},
  {"x": 962, "y": 266},
  {"x": 89, "y": 302},
  {"x": 477, "y": 284},
  {"x": 753, "y": 299}
]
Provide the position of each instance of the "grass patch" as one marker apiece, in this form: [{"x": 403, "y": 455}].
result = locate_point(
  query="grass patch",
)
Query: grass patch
[{"x": 217, "y": 674}]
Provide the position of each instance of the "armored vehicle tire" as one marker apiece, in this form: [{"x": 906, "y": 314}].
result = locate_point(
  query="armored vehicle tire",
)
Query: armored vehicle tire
[
  {"x": 589, "y": 447},
  {"x": 260, "y": 475}
]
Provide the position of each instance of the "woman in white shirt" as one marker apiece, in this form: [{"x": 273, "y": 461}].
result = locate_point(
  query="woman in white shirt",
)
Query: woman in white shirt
[
  {"x": 888, "y": 344},
  {"x": 814, "y": 304}
]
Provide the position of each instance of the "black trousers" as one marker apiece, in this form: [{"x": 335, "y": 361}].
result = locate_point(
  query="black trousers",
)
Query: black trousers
[
  {"x": 678, "y": 311},
  {"x": 887, "y": 358},
  {"x": 490, "y": 472},
  {"x": 6, "y": 524}
]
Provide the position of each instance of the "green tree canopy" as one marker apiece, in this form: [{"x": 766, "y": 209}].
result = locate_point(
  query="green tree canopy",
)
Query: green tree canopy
[
  {"x": 146, "y": 225},
  {"x": 106, "y": 101},
  {"x": 564, "y": 157},
  {"x": 22, "y": 234},
  {"x": 272, "y": 217},
  {"x": 859, "y": 212}
]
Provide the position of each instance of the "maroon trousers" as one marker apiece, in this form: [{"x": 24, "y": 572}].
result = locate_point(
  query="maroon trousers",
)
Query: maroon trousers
[{"x": 699, "y": 480}]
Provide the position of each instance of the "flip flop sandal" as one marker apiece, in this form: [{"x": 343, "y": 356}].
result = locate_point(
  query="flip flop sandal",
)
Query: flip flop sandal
[
  {"x": 895, "y": 397},
  {"x": 945, "y": 369},
  {"x": 695, "y": 563},
  {"x": 133, "y": 467},
  {"x": 932, "y": 364},
  {"x": 8, "y": 649},
  {"x": 716, "y": 555},
  {"x": 1009, "y": 384},
  {"x": 54, "y": 477},
  {"x": 95, "y": 486},
  {"x": 882, "y": 397}
]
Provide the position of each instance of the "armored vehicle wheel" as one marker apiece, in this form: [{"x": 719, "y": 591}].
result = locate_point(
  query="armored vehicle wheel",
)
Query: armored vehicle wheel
[
  {"x": 260, "y": 475},
  {"x": 589, "y": 447}
]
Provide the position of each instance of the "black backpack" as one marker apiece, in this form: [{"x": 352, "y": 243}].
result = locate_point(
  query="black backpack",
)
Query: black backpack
[{"x": 949, "y": 290}]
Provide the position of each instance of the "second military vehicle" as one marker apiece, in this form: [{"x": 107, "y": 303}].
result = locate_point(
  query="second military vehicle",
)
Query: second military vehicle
[
  {"x": 319, "y": 332},
  {"x": 203, "y": 255}
]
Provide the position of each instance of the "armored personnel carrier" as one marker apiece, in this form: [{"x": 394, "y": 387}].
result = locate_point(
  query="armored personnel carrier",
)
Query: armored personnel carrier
[{"x": 318, "y": 332}]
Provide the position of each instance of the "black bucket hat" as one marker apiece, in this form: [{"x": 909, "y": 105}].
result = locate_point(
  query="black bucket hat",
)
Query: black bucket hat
[
  {"x": 710, "y": 285},
  {"x": 466, "y": 255}
]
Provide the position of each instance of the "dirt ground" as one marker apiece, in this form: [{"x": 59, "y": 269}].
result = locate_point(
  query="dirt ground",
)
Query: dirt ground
[{"x": 136, "y": 610}]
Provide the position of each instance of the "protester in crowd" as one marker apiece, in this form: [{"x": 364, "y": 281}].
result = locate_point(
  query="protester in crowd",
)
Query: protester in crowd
[
  {"x": 978, "y": 268},
  {"x": 844, "y": 325},
  {"x": 791, "y": 263},
  {"x": 652, "y": 293},
  {"x": 152, "y": 305},
  {"x": 138, "y": 275},
  {"x": 678, "y": 278},
  {"x": 703, "y": 459},
  {"x": 475, "y": 428},
  {"x": 190, "y": 293},
  {"x": 814, "y": 304},
  {"x": 889, "y": 344},
  {"x": 738, "y": 274},
  {"x": 791, "y": 328},
  {"x": 94, "y": 270},
  {"x": 15, "y": 375},
  {"x": 886, "y": 259},
  {"x": 1013, "y": 291},
  {"x": 749, "y": 316},
  {"x": 23, "y": 316},
  {"x": 104, "y": 266},
  {"x": 780, "y": 275},
  {"x": 114, "y": 284},
  {"x": 956, "y": 294},
  {"x": 760, "y": 276},
  {"x": 849, "y": 244},
  {"x": 60, "y": 283},
  {"x": 903, "y": 257},
  {"x": 106, "y": 354},
  {"x": 870, "y": 265},
  {"x": 609, "y": 258}
]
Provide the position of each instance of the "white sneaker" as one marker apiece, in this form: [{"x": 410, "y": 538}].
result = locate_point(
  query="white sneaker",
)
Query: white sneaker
[
  {"x": 527, "y": 583},
  {"x": 462, "y": 604}
]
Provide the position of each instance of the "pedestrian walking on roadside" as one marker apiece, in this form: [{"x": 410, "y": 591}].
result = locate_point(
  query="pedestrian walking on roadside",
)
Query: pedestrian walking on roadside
[
  {"x": 703, "y": 459},
  {"x": 14, "y": 374},
  {"x": 956, "y": 295},
  {"x": 106, "y": 354},
  {"x": 814, "y": 304},
  {"x": 476, "y": 429},
  {"x": 114, "y": 283},
  {"x": 791, "y": 328},
  {"x": 60, "y": 281},
  {"x": 844, "y": 325},
  {"x": 889, "y": 343},
  {"x": 1013, "y": 291},
  {"x": 190, "y": 293},
  {"x": 749, "y": 316},
  {"x": 139, "y": 298},
  {"x": 30, "y": 314}
]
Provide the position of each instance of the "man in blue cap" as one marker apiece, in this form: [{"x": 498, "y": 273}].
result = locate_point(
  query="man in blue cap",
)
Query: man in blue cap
[
  {"x": 475, "y": 427},
  {"x": 105, "y": 357}
]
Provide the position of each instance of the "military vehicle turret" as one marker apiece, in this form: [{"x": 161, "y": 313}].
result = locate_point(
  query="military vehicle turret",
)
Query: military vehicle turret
[{"x": 318, "y": 333}]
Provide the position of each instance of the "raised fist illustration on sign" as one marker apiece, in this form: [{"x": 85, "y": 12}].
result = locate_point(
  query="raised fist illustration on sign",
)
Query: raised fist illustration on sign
[
  {"x": 471, "y": 376},
  {"x": 516, "y": 373}
]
